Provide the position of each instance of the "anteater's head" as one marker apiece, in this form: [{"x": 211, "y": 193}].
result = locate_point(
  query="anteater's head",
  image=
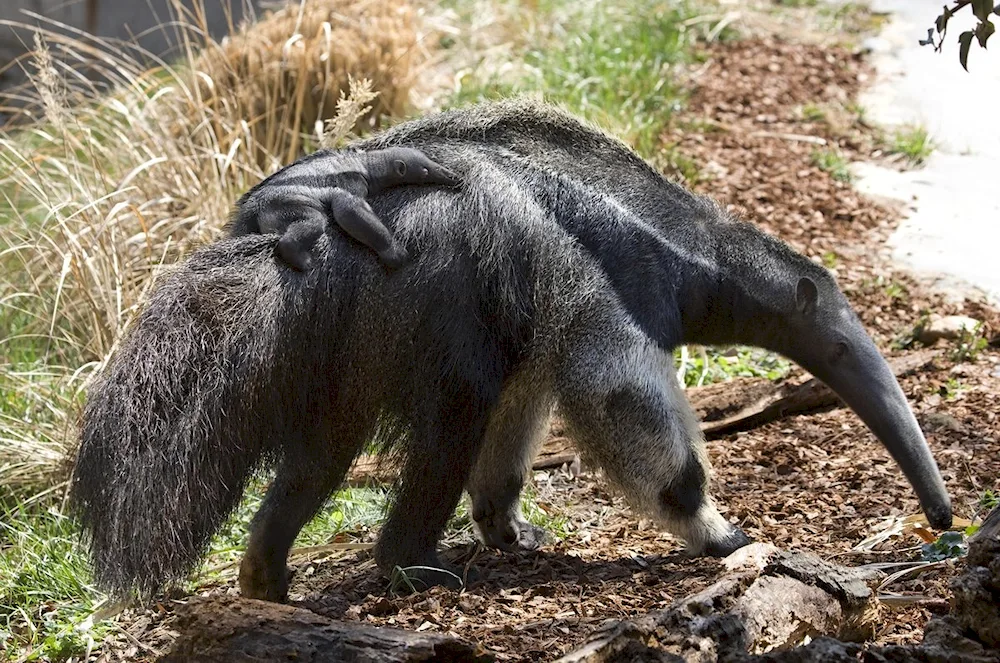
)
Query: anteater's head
[
  {"x": 786, "y": 303},
  {"x": 403, "y": 165}
]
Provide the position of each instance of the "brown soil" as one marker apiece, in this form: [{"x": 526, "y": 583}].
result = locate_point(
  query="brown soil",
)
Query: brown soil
[{"x": 818, "y": 482}]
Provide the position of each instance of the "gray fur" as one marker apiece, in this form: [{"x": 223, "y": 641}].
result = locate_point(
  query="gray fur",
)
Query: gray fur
[
  {"x": 298, "y": 201},
  {"x": 564, "y": 271}
]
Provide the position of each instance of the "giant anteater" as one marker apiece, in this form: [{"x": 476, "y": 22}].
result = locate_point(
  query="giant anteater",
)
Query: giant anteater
[{"x": 562, "y": 273}]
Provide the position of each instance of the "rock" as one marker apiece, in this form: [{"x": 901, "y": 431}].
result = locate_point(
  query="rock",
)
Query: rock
[
  {"x": 948, "y": 327},
  {"x": 943, "y": 420}
]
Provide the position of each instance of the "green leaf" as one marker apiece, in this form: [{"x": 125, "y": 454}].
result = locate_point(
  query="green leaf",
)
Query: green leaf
[
  {"x": 942, "y": 21},
  {"x": 947, "y": 546},
  {"x": 982, "y": 9},
  {"x": 965, "y": 41},
  {"x": 984, "y": 31}
]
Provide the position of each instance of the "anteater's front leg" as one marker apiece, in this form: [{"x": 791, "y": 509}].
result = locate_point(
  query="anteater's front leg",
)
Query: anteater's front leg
[{"x": 622, "y": 405}]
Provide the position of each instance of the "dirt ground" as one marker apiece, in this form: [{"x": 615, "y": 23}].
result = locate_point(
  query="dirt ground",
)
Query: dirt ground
[{"x": 817, "y": 482}]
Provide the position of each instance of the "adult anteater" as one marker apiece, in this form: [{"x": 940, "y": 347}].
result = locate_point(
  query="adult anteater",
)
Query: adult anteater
[{"x": 564, "y": 271}]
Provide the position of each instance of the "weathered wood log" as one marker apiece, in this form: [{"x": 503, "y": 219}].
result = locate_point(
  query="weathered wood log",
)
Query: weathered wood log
[
  {"x": 233, "y": 630},
  {"x": 772, "y": 601}
]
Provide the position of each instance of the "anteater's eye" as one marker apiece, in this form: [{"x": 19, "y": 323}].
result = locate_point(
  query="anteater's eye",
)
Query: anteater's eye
[{"x": 840, "y": 350}]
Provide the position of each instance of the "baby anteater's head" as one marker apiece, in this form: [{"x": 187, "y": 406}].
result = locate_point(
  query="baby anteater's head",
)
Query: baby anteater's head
[{"x": 403, "y": 165}]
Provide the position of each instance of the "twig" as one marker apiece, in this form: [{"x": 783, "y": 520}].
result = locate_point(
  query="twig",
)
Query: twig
[
  {"x": 329, "y": 547},
  {"x": 860, "y": 553},
  {"x": 799, "y": 138},
  {"x": 905, "y": 601},
  {"x": 905, "y": 572},
  {"x": 141, "y": 645}
]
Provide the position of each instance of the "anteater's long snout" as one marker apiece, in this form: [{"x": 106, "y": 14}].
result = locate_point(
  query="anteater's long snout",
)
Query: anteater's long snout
[{"x": 866, "y": 383}]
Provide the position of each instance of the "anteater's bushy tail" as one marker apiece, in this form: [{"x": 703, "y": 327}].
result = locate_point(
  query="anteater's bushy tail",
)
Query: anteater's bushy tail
[{"x": 184, "y": 412}]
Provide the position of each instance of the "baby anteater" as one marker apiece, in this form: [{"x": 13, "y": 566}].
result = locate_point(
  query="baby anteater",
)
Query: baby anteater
[{"x": 298, "y": 200}]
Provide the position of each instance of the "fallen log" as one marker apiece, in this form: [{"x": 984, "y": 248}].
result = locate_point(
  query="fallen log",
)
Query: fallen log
[
  {"x": 770, "y": 599},
  {"x": 803, "y": 395},
  {"x": 774, "y": 601},
  {"x": 235, "y": 630}
]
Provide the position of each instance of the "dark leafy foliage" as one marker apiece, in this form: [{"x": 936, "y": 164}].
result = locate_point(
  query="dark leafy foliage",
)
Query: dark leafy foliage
[{"x": 981, "y": 9}]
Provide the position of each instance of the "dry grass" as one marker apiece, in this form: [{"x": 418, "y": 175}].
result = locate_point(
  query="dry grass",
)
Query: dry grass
[
  {"x": 100, "y": 192},
  {"x": 288, "y": 72}
]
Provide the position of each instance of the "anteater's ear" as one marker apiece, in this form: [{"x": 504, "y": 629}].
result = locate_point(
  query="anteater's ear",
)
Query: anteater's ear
[
  {"x": 806, "y": 296},
  {"x": 400, "y": 167}
]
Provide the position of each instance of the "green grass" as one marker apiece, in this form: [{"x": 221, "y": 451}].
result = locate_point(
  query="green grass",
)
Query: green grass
[
  {"x": 730, "y": 363},
  {"x": 831, "y": 161},
  {"x": 895, "y": 290},
  {"x": 348, "y": 513},
  {"x": 38, "y": 404},
  {"x": 912, "y": 142},
  {"x": 989, "y": 500},
  {"x": 813, "y": 113},
  {"x": 45, "y": 591},
  {"x": 610, "y": 62},
  {"x": 969, "y": 344}
]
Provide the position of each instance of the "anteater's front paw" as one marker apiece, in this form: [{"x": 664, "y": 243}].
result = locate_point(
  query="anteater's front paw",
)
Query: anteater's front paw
[
  {"x": 726, "y": 545},
  {"x": 260, "y": 580},
  {"x": 394, "y": 257}
]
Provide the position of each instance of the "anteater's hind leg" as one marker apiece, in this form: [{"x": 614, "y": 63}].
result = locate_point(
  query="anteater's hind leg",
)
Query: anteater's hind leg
[
  {"x": 517, "y": 426},
  {"x": 622, "y": 404},
  {"x": 306, "y": 477},
  {"x": 438, "y": 461}
]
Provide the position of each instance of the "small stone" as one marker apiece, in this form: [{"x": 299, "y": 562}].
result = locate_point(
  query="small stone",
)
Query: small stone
[
  {"x": 948, "y": 327},
  {"x": 944, "y": 421}
]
